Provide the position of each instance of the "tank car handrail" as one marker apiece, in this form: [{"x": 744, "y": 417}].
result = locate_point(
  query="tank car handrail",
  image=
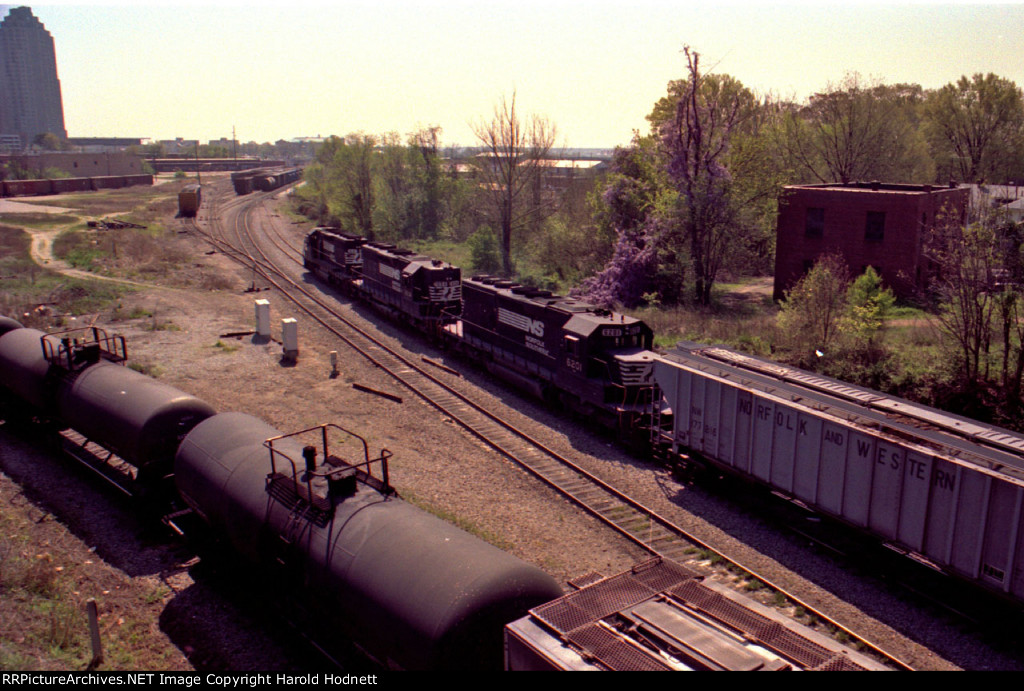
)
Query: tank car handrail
[
  {"x": 71, "y": 352},
  {"x": 381, "y": 484}
]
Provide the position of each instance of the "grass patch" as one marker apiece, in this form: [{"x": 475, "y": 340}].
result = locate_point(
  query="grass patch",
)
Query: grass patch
[
  {"x": 37, "y": 220},
  {"x": 459, "y": 522},
  {"x": 46, "y": 578},
  {"x": 24, "y": 285},
  {"x": 226, "y": 347},
  {"x": 146, "y": 368}
]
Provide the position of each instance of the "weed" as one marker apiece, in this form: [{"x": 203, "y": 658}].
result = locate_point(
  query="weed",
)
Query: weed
[
  {"x": 149, "y": 370},
  {"x": 226, "y": 347},
  {"x": 753, "y": 585},
  {"x": 64, "y": 619}
]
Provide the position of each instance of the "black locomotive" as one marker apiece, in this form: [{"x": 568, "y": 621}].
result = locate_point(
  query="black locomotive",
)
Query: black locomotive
[
  {"x": 409, "y": 287},
  {"x": 590, "y": 360}
]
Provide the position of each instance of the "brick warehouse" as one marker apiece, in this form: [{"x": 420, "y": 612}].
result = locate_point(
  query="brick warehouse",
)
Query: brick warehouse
[{"x": 884, "y": 226}]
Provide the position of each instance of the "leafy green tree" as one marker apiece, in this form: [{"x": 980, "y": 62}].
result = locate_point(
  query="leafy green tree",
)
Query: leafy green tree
[
  {"x": 49, "y": 142},
  {"x": 977, "y": 124},
  {"x": 815, "y": 305},
  {"x": 395, "y": 213},
  {"x": 858, "y": 131},
  {"x": 868, "y": 303},
  {"x": 484, "y": 251},
  {"x": 968, "y": 261}
]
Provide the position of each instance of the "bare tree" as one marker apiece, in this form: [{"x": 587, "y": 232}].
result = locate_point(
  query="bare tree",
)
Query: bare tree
[
  {"x": 511, "y": 171},
  {"x": 968, "y": 261}
]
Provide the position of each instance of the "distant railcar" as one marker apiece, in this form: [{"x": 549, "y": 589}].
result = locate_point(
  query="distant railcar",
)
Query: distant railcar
[
  {"x": 62, "y": 185},
  {"x": 275, "y": 178},
  {"x": 27, "y": 188},
  {"x": 140, "y": 179},
  {"x": 109, "y": 182},
  {"x": 189, "y": 200},
  {"x": 242, "y": 180}
]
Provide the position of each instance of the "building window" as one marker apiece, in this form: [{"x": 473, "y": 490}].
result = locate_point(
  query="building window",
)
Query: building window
[
  {"x": 815, "y": 223},
  {"x": 874, "y": 229}
]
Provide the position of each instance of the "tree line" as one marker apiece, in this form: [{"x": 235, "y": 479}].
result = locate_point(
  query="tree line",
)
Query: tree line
[
  {"x": 694, "y": 199},
  {"x": 499, "y": 197},
  {"x": 696, "y": 196},
  {"x": 690, "y": 201}
]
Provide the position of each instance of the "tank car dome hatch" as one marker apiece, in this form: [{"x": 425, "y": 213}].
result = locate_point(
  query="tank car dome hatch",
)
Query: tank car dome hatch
[{"x": 416, "y": 592}]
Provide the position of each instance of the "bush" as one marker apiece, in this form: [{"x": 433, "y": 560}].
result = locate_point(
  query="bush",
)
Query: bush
[{"x": 484, "y": 251}]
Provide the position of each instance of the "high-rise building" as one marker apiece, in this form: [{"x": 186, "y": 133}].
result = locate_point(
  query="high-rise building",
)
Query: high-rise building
[{"x": 30, "y": 102}]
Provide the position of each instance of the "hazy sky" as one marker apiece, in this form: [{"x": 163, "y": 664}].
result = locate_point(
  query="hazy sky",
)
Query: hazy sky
[{"x": 595, "y": 68}]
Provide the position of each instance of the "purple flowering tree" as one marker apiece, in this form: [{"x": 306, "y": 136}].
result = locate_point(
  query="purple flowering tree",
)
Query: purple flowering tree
[
  {"x": 696, "y": 146},
  {"x": 629, "y": 207}
]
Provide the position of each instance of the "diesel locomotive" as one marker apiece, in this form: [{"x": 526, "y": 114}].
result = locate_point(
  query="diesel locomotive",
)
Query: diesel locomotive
[{"x": 589, "y": 360}]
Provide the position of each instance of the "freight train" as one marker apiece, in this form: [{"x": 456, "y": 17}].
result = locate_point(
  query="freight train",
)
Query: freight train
[
  {"x": 589, "y": 360},
  {"x": 946, "y": 490},
  {"x": 263, "y": 179},
  {"x": 316, "y": 511},
  {"x": 32, "y": 188}
]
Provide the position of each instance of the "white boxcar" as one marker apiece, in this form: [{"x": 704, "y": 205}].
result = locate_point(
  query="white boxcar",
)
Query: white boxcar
[{"x": 939, "y": 485}]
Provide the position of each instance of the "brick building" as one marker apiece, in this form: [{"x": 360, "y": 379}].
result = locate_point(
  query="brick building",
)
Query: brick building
[
  {"x": 880, "y": 225},
  {"x": 79, "y": 165}
]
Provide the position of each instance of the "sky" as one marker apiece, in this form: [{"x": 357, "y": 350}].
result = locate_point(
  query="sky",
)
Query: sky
[{"x": 593, "y": 68}]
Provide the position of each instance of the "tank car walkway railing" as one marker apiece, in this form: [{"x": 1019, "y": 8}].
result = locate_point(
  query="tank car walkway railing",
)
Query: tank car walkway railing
[
  {"x": 77, "y": 348},
  {"x": 314, "y": 489}
]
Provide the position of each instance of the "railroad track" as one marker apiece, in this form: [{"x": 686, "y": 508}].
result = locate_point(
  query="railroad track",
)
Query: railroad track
[{"x": 634, "y": 521}]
